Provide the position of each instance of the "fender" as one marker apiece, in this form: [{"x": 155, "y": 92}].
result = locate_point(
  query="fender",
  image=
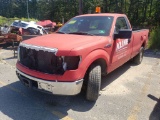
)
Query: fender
[
  {"x": 90, "y": 58},
  {"x": 145, "y": 40}
]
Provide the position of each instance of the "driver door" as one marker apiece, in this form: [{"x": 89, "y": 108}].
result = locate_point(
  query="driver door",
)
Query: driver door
[{"x": 122, "y": 47}]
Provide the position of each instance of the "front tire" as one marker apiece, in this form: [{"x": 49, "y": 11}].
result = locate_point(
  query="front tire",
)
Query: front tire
[
  {"x": 138, "y": 58},
  {"x": 94, "y": 83}
]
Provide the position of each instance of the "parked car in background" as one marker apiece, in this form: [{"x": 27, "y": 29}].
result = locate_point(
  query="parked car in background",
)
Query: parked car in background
[
  {"x": 32, "y": 27},
  {"x": 48, "y": 25},
  {"x": 21, "y": 30},
  {"x": 28, "y": 29}
]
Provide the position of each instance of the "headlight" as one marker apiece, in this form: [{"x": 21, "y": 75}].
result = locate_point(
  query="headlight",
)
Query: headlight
[
  {"x": 68, "y": 62},
  {"x": 71, "y": 62}
]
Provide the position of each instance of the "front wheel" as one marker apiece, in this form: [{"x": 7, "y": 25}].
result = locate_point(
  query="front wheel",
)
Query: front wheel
[
  {"x": 139, "y": 57},
  {"x": 94, "y": 83}
]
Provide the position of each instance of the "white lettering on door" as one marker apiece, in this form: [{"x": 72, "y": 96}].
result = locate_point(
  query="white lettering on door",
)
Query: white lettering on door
[{"x": 121, "y": 44}]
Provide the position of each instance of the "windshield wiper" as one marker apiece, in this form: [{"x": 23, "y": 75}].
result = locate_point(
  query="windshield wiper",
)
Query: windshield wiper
[
  {"x": 60, "y": 32},
  {"x": 81, "y": 33}
]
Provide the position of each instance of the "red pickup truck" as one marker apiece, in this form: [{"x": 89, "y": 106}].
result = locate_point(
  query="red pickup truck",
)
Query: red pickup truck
[{"x": 79, "y": 53}]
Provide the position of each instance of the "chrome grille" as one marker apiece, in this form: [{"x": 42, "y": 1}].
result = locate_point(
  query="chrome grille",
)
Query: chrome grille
[{"x": 42, "y": 61}]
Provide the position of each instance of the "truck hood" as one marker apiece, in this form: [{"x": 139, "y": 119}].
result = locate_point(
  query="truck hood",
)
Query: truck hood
[{"x": 63, "y": 42}]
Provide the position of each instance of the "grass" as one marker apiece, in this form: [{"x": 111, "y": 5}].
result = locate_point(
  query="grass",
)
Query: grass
[
  {"x": 8, "y": 21},
  {"x": 154, "y": 40}
]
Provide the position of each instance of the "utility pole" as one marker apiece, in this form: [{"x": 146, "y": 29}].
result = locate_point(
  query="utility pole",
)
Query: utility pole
[
  {"x": 80, "y": 7},
  {"x": 27, "y": 11}
]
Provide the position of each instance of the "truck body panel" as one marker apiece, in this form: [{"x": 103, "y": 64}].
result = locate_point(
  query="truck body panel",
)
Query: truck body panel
[{"x": 71, "y": 53}]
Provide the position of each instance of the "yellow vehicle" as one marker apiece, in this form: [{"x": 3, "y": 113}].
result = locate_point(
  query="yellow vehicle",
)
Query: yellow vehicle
[{"x": 59, "y": 24}]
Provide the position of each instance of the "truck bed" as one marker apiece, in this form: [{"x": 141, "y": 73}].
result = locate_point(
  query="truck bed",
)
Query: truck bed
[{"x": 137, "y": 30}]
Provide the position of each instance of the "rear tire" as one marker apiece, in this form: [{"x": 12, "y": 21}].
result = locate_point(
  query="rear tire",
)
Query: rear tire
[
  {"x": 138, "y": 58},
  {"x": 94, "y": 83}
]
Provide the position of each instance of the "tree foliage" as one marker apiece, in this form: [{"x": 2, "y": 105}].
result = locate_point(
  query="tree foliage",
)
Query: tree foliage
[
  {"x": 140, "y": 12},
  {"x": 154, "y": 42}
]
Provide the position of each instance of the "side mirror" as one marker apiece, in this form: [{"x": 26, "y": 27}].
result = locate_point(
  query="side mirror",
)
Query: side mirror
[{"x": 123, "y": 34}]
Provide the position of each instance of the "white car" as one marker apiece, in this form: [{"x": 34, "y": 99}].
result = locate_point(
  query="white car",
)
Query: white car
[{"x": 31, "y": 26}]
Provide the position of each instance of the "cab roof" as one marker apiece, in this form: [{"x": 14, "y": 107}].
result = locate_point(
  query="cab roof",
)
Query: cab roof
[
  {"x": 103, "y": 14},
  {"x": 25, "y": 25}
]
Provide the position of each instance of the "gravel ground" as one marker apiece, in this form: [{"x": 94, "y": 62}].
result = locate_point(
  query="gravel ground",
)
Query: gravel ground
[{"x": 129, "y": 93}]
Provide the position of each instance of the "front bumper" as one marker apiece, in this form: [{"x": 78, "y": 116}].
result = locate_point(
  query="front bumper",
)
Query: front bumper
[{"x": 54, "y": 87}]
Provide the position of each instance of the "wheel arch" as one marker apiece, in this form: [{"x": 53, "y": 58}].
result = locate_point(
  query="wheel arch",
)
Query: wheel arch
[
  {"x": 100, "y": 57},
  {"x": 144, "y": 44},
  {"x": 102, "y": 63}
]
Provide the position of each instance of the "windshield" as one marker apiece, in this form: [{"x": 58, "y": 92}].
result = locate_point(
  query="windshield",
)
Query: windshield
[
  {"x": 89, "y": 25},
  {"x": 19, "y": 24}
]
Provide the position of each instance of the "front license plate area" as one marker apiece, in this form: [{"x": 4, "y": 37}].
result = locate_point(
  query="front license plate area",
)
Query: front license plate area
[{"x": 45, "y": 86}]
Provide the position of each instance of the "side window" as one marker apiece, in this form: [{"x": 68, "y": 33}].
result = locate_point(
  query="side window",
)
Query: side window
[
  {"x": 33, "y": 31},
  {"x": 120, "y": 24}
]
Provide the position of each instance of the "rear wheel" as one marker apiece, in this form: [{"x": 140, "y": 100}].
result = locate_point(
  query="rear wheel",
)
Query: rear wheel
[
  {"x": 94, "y": 83},
  {"x": 138, "y": 58}
]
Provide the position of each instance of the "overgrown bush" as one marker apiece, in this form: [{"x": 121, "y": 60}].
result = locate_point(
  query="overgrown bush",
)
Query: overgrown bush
[
  {"x": 154, "y": 40},
  {"x": 8, "y": 21}
]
